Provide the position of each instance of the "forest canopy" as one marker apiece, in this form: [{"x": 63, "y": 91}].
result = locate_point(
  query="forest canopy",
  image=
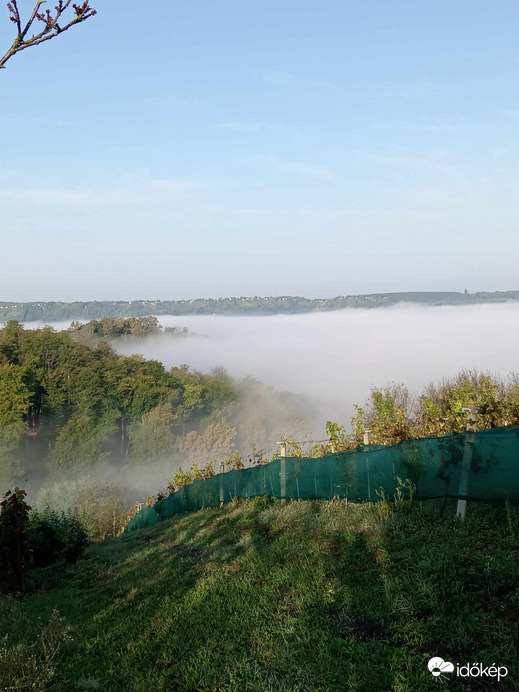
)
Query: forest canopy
[
  {"x": 65, "y": 404},
  {"x": 73, "y": 410}
]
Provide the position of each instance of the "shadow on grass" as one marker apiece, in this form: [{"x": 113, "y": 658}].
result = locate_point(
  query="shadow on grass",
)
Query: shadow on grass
[{"x": 307, "y": 596}]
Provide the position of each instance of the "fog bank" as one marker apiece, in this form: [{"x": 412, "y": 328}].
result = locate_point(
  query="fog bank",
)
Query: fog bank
[{"x": 335, "y": 357}]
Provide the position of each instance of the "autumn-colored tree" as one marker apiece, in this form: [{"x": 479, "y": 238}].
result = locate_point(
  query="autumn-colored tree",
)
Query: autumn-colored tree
[
  {"x": 213, "y": 445},
  {"x": 441, "y": 408},
  {"x": 392, "y": 415},
  {"x": 42, "y": 25},
  {"x": 387, "y": 414}
]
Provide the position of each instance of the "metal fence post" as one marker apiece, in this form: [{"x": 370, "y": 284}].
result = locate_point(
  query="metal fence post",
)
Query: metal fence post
[
  {"x": 365, "y": 441},
  {"x": 222, "y": 471},
  {"x": 467, "y": 462},
  {"x": 283, "y": 478}
]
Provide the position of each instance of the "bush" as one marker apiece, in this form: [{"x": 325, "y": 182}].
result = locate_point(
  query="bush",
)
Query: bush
[
  {"x": 55, "y": 535},
  {"x": 106, "y": 507},
  {"x": 14, "y": 543},
  {"x": 103, "y": 507}
]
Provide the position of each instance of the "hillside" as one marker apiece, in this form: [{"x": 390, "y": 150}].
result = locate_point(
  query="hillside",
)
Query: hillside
[
  {"x": 244, "y": 305},
  {"x": 260, "y": 596}
]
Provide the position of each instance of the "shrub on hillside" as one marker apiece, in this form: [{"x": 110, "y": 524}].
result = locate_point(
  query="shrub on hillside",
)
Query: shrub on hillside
[
  {"x": 32, "y": 538},
  {"x": 102, "y": 507},
  {"x": 14, "y": 543},
  {"x": 54, "y": 535}
]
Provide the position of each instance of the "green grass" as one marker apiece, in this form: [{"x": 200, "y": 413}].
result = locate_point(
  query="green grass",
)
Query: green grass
[{"x": 258, "y": 596}]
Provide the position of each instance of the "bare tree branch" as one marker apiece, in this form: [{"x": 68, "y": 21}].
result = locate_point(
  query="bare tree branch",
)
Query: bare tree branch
[{"x": 49, "y": 19}]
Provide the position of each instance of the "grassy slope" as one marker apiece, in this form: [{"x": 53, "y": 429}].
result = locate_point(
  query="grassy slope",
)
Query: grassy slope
[{"x": 260, "y": 596}]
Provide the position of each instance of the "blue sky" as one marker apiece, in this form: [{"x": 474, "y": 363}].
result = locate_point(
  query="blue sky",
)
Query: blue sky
[{"x": 176, "y": 150}]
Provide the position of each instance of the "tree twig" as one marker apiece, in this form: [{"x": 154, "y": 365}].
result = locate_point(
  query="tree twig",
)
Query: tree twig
[{"x": 50, "y": 20}]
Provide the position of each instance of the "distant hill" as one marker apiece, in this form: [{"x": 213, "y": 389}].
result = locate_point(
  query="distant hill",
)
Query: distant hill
[{"x": 245, "y": 305}]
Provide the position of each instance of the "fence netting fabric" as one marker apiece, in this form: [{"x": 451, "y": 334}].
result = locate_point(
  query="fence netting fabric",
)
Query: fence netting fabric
[{"x": 480, "y": 465}]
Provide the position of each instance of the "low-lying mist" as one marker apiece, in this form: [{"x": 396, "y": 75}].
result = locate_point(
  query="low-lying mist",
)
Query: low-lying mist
[
  {"x": 335, "y": 357},
  {"x": 328, "y": 360}
]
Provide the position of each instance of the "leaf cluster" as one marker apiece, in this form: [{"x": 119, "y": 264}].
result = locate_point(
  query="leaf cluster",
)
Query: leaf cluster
[{"x": 70, "y": 403}]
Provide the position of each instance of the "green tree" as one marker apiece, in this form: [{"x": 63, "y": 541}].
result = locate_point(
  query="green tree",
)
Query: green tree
[
  {"x": 10, "y": 342},
  {"x": 151, "y": 437},
  {"x": 14, "y": 542},
  {"x": 81, "y": 440},
  {"x": 15, "y": 400}
]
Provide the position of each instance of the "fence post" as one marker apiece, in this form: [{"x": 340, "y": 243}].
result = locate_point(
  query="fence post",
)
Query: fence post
[
  {"x": 283, "y": 478},
  {"x": 365, "y": 441},
  {"x": 467, "y": 461},
  {"x": 222, "y": 471}
]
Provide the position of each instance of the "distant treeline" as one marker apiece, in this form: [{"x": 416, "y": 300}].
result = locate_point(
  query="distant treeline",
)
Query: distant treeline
[
  {"x": 117, "y": 327},
  {"x": 245, "y": 305}
]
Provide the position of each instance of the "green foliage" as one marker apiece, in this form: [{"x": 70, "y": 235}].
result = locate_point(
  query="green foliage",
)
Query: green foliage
[
  {"x": 32, "y": 662},
  {"x": 391, "y": 415},
  {"x": 337, "y": 436},
  {"x": 35, "y": 538},
  {"x": 14, "y": 540},
  {"x": 176, "y": 331},
  {"x": 261, "y": 596},
  {"x": 385, "y": 416},
  {"x": 15, "y": 400},
  {"x": 404, "y": 494},
  {"x": 294, "y": 448},
  {"x": 202, "y": 473},
  {"x": 80, "y": 441},
  {"x": 10, "y": 343},
  {"x": 113, "y": 328},
  {"x": 234, "y": 461},
  {"x": 358, "y": 428},
  {"x": 180, "y": 479},
  {"x": 65, "y": 404},
  {"x": 152, "y": 437},
  {"x": 102, "y": 508},
  {"x": 203, "y": 396},
  {"x": 54, "y": 535},
  {"x": 195, "y": 472},
  {"x": 441, "y": 406}
]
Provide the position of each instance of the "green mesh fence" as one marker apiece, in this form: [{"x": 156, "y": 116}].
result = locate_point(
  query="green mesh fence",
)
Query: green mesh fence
[{"x": 471, "y": 465}]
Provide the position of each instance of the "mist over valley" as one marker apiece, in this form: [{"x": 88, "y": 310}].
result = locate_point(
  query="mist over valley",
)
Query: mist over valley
[{"x": 334, "y": 358}]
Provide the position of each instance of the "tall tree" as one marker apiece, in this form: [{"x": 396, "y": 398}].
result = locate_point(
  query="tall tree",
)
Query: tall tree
[{"x": 43, "y": 25}]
